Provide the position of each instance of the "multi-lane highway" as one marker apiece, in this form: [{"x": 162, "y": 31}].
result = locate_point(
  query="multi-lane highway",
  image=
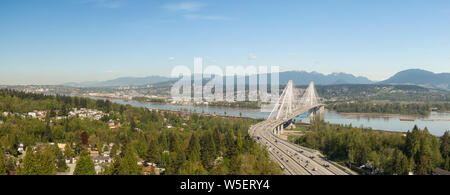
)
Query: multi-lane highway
[{"x": 294, "y": 159}]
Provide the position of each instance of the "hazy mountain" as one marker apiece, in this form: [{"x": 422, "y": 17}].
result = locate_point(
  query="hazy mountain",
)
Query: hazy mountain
[
  {"x": 298, "y": 77},
  {"x": 422, "y": 78},
  {"x": 304, "y": 78},
  {"x": 122, "y": 81}
]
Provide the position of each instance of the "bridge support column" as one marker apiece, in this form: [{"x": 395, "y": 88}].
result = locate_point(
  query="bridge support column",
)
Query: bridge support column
[
  {"x": 281, "y": 129},
  {"x": 312, "y": 117},
  {"x": 317, "y": 114},
  {"x": 320, "y": 113}
]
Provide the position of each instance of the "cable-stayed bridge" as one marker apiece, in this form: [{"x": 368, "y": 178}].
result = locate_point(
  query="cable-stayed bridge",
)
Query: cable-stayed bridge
[{"x": 294, "y": 159}]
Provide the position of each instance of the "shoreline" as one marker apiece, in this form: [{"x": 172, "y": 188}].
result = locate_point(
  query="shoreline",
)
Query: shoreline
[
  {"x": 379, "y": 130},
  {"x": 166, "y": 103},
  {"x": 380, "y": 115}
]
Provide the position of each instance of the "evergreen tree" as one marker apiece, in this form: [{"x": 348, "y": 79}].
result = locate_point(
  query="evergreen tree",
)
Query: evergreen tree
[
  {"x": 3, "y": 169},
  {"x": 153, "y": 153},
  {"x": 114, "y": 150},
  {"x": 230, "y": 144},
  {"x": 128, "y": 164},
  {"x": 100, "y": 147},
  {"x": 85, "y": 165},
  {"x": 239, "y": 141},
  {"x": 400, "y": 165},
  {"x": 46, "y": 160},
  {"x": 208, "y": 150},
  {"x": 113, "y": 168},
  {"x": 40, "y": 162},
  {"x": 68, "y": 152},
  {"x": 61, "y": 165},
  {"x": 447, "y": 163},
  {"x": 29, "y": 163},
  {"x": 193, "y": 150},
  {"x": 235, "y": 165}
]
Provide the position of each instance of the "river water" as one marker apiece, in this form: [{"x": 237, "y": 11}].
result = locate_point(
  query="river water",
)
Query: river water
[{"x": 437, "y": 123}]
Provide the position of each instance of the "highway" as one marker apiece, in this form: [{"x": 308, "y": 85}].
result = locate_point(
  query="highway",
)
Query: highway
[{"x": 294, "y": 159}]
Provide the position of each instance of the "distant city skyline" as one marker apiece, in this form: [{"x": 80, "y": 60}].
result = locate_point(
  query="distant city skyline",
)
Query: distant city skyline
[{"x": 58, "y": 41}]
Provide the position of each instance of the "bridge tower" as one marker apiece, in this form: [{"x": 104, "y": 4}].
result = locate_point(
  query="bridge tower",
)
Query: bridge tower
[
  {"x": 285, "y": 104},
  {"x": 290, "y": 103}
]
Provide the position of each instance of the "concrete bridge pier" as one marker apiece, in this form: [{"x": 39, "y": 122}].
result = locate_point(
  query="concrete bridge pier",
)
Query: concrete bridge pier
[
  {"x": 278, "y": 130},
  {"x": 317, "y": 114}
]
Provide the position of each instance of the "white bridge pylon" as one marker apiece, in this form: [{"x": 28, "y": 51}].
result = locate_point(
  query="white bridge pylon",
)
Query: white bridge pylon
[{"x": 290, "y": 101}]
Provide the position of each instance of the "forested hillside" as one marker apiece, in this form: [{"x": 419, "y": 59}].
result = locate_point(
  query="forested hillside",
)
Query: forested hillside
[
  {"x": 181, "y": 144},
  {"x": 382, "y": 152}
]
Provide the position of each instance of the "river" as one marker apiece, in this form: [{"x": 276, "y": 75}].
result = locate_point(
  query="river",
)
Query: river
[{"x": 437, "y": 123}]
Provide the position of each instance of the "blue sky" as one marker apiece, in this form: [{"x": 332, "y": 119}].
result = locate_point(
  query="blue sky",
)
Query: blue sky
[{"x": 56, "y": 41}]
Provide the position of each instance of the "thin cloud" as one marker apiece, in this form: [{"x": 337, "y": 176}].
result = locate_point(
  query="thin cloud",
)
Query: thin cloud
[
  {"x": 171, "y": 58},
  {"x": 184, "y": 6}
]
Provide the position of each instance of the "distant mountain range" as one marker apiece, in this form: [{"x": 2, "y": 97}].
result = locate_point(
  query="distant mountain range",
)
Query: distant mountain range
[
  {"x": 410, "y": 77},
  {"x": 298, "y": 77},
  {"x": 122, "y": 81},
  {"x": 304, "y": 78},
  {"x": 421, "y": 78}
]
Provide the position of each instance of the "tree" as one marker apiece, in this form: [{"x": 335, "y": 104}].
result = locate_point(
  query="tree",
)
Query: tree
[
  {"x": 208, "y": 150},
  {"x": 3, "y": 170},
  {"x": 113, "y": 168},
  {"x": 68, "y": 152},
  {"x": 100, "y": 147},
  {"x": 84, "y": 138},
  {"x": 193, "y": 150},
  {"x": 40, "y": 162},
  {"x": 85, "y": 165},
  {"x": 400, "y": 163},
  {"x": 29, "y": 164},
  {"x": 128, "y": 164},
  {"x": 445, "y": 150},
  {"x": 424, "y": 166},
  {"x": 46, "y": 160},
  {"x": 239, "y": 141},
  {"x": 447, "y": 163},
  {"x": 61, "y": 165},
  {"x": 235, "y": 165},
  {"x": 114, "y": 150},
  {"x": 153, "y": 153}
]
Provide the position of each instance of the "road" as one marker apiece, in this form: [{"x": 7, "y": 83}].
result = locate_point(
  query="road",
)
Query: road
[{"x": 294, "y": 159}]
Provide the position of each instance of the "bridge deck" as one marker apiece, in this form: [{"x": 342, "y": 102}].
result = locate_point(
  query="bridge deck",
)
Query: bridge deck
[{"x": 295, "y": 160}]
